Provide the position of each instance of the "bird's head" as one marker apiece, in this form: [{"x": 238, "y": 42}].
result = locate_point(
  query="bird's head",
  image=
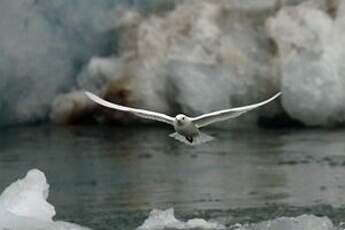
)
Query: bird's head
[{"x": 182, "y": 120}]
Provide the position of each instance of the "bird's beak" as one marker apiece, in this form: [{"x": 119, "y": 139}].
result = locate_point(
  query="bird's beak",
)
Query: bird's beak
[{"x": 179, "y": 122}]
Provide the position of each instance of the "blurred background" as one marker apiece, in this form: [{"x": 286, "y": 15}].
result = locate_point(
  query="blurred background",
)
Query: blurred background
[
  {"x": 174, "y": 57},
  {"x": 108, "y": 168}
]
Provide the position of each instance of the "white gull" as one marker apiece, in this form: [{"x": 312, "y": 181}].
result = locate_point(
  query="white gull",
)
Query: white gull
[{"x": 187, "y": 128}]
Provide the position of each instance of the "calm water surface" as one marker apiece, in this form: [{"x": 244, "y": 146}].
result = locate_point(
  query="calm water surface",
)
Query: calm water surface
[{"x": 110, "y": 177}]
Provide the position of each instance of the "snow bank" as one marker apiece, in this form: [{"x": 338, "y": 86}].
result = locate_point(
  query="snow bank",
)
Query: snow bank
[{"x": 24, "y": 206}]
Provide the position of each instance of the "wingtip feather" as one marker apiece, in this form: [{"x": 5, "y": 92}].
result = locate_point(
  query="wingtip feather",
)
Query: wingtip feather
[
  {"x": 273, "y": 97},
  {"x": 93, "y": 97},
  {"x": 89, "y": 94}
]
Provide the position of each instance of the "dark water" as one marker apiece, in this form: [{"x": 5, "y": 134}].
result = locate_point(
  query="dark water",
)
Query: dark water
[{"x": 109, "y": 178}]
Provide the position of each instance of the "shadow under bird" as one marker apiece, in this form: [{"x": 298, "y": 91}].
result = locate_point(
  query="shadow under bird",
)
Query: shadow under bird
[{"x": 187, "y": 128}]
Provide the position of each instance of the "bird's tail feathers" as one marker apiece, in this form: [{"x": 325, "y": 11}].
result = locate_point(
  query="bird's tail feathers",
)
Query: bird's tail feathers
[{"x": 197, "y": 140}]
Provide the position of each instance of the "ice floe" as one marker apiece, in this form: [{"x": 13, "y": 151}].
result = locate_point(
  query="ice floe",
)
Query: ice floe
[
  {"x": 24, "y": 206},
  {"x": 304, "y": 222},
  {"x": 160, "y": 220}
]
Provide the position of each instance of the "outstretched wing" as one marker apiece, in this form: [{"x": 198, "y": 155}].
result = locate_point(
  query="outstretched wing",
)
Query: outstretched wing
[
  {"x": 222, "y": 115},
  {"x": 139, "y": 112}
]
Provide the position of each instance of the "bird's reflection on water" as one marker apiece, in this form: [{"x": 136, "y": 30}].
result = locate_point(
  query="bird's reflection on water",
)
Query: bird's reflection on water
[{"x": 96, "y": 171}]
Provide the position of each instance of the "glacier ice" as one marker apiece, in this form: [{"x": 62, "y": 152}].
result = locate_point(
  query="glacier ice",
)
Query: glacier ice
[
  {"x": 181, "y": 57},
  {"x": 70, "y": 107},
  {"x": 42, "y": 46},
  {"x": 311, "y": 56},
  {"x": 160, "y": 220},
  {"x": 24, "y": 206},
  {"x": 205, "y": 55},
  {"x": 199, "y": 57}
]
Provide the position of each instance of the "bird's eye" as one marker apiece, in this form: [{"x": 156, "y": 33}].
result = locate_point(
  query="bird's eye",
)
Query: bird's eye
[{"x": 182, "y": 118}]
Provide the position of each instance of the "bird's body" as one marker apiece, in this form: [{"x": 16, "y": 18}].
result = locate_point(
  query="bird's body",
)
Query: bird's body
[
  {"x": 187, "y": 128},
  {"x": 184, "y": 126}
]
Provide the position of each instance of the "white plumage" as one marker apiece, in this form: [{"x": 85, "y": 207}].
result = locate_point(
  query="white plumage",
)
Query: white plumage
[{"x": 187, "y": 128}]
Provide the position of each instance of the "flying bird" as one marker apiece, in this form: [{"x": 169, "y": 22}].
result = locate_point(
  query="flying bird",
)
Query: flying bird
[{"x": 187, "y": 128}]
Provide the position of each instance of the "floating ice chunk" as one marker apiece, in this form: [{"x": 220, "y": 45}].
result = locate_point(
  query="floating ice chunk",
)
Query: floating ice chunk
[
  {"x": 61, "y": 225},
  {"x": 28, "y": 197},
  {"x": 304, "y": 222},
  {"x": 160, "y": 220},
  {"x": 198, "y": 223},
  {"x": 24, "y": 206}
]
